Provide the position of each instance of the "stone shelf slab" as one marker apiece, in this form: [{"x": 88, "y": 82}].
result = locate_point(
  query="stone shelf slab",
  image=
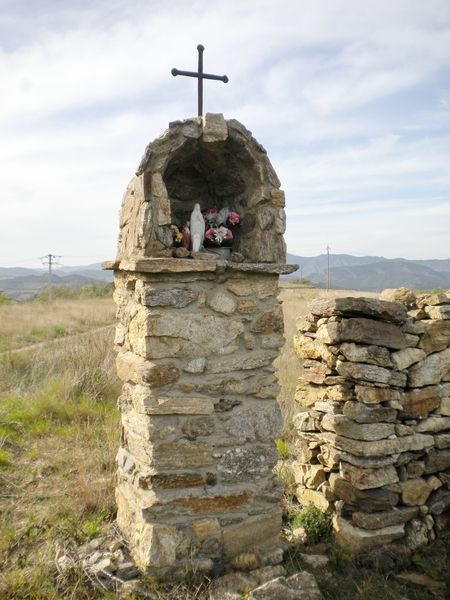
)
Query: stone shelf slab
[{"x": 182, "y": 265}]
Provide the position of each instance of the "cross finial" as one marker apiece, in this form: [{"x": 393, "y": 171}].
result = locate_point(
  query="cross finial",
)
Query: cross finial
[{"x": 200, "y": 76}]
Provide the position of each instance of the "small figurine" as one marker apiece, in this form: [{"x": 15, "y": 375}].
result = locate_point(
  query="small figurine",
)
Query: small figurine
[
  {"x": 197, "y": 228},
  {"x": 186, "y": 239}
]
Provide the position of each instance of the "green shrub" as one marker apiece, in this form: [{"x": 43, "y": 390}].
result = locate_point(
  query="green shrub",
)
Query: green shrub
[
  {"x": 282, "y": 448},
  {"x": 4, "y": 298},
  {"x": 69, "y": 292},
  {"x": 94, "y": 525},
  {"x": 315, "y": 522}
]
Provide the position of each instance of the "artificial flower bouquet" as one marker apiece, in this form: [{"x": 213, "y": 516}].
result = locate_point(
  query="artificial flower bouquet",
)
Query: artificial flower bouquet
[{"x": 218, "y": 226}]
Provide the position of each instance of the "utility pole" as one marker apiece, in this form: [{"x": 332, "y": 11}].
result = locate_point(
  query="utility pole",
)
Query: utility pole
[
  {"x": 50, "y": 260},
  {"x": 328, "y": 269}
]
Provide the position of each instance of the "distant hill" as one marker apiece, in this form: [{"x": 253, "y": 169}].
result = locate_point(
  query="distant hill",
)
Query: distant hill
[
  {"x": 21, "y": 284},
  {"x": 370, "y": 273},
  {"x": 373, "y": 273}
]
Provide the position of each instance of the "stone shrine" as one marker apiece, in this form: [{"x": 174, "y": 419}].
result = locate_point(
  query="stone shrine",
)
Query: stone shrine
[{"x": 195, "y": 341}]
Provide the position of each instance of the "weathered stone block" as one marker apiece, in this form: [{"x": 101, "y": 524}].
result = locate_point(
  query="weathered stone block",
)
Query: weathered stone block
[
  {"x": 365, "y": 479},
  {"x": 378, "y": 499},
  {"x": 307, "y": 496},
  {"x": 366, "y": 307},
  {"x": 444, "y": 407},
  {"x": 155, "y": 545},
  {"x": 424, "y": 300},
  {"x": 202, "y": 334},
  {"x": 196, "y": 365},
  {"x": 363, "y": 539},
  {"x": 221, "y": 302},
  {"x": 437, "y": 460},
  {"x": 378, "y": 520},
  {"x": 374, "y": 355},
  {"x": 180, "y": 455},
  {"x": 241, "y": 361},
  {"x": 195, "y": 427},
  {"x": 348, "y": 428},
  {"x": 402, "y": 295},
  {"x": 223, "y": 503},
  {"x": 257, "y": 532},
  {"x": 144, "y": 401},
  {"x": 430, "y": 370},
  {"x": 171, "y": 480},
  {"x": 246, "y": 306},
  {"x": 375, "y": 395},
  {"x": 244, "y": 464},
  {"x": 436, "y": 336},
  {"x": 253, "y": 287},
  {"x": 136, "y": 369},
  {"x": 442, "y": 441},
  {"x": 305, "y": 347},
  {"x": 307, "y": 421},
  {"x": 438, "y": 312},
  {"x": 407, "y": 443},
  {"x": 433, "y": 424},
  {"x": 415, "y": 491},
  {"x": 370, "y": 373},
  {"x": 301, "y": 586},
  {"x": 315, "y": 371},
  {"x": 419, "y": 402},
  {"x": 363, "y": 413},
  {"x": 310, "y": 476},
  {"x": 367, "y": 331},
  {"x": 439, "y": 501},
  {"x": 402, "y": 359},
  {"x": 268, "y": 321},
  {"x": 174, "y": 297},
  {"x": 215, "y": 128},
  {"x": 250, "y": 425}
]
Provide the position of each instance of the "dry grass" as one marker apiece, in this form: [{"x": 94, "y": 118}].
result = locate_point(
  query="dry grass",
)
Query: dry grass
[
  {"x": 295, "y": 301},
  {"x": 59, "y": 432},
  {"x": 31, "y": 322}
]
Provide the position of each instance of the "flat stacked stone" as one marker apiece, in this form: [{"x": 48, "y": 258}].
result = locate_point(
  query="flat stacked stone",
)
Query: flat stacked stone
[
  {"x": 199, "y": 416},
  {"x": 374, "y": 439}
]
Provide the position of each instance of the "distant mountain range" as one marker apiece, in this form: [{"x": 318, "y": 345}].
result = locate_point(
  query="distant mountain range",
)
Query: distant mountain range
[
  {"x": 21, "y": 283},
  {"x": 372, "y": 273},
  {"x": 365, "y": 273}
]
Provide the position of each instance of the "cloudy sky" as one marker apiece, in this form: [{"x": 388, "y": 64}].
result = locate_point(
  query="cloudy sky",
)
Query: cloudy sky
[{"x": 351, "y": 99}]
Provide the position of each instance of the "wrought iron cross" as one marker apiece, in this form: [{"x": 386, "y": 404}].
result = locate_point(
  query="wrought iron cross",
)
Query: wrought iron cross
[{"x": 200, "y": 76}]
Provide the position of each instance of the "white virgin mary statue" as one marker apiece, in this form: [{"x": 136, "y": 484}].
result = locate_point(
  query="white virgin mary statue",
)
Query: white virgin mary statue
[{"x": 197, "y": 228}]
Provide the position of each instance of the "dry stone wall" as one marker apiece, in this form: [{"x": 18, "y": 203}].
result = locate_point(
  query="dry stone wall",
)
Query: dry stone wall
[
  {"x": 199, "y": 414},
  {"x": 373, "y": 444}
]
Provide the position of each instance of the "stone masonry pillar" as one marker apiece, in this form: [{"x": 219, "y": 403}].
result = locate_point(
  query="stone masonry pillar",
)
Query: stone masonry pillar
[{"x": 196, "y": 339}]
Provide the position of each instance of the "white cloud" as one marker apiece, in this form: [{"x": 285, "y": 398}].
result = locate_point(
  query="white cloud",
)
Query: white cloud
[{"x": 87, "y": 85}]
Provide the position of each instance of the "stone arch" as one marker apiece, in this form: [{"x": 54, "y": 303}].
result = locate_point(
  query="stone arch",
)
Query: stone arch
[{"x": 216, "y": 163}]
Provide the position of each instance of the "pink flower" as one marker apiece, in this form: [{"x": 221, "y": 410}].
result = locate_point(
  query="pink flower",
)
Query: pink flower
[
  {"x": 233, "y": 218},
  {"x": 227, "y": 235},
  {"x": 210, "y": 234}
]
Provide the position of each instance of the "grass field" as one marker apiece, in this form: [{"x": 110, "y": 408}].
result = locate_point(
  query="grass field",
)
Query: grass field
[
  {"x": 33, "y": 322},
  {"x": 59, "y": 432}
]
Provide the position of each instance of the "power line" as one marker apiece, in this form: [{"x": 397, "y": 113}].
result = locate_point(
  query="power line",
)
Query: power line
[{"x": 49, "y": 259}]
